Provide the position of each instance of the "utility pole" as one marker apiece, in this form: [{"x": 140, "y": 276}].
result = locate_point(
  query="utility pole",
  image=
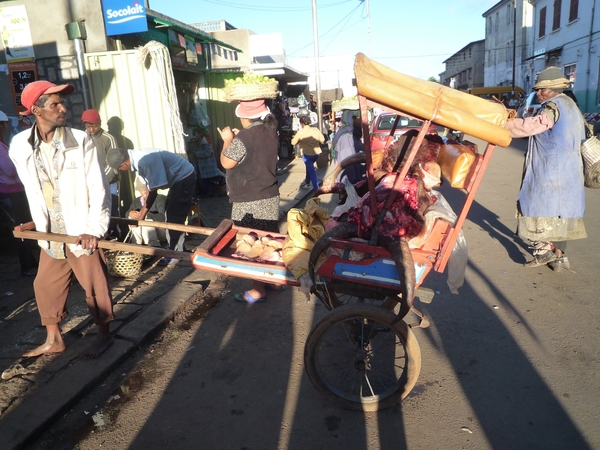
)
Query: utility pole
[
  {"x": 369, "y": 27},
  {"x": 514, "y": 62},
  {"x": 317, "y": 69}
]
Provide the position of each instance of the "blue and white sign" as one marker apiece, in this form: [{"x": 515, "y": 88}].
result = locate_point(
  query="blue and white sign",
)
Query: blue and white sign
[{"x": 124, "y": 16}]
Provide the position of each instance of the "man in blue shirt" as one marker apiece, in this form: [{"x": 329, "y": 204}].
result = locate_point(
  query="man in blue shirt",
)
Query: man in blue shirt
[{"x": 161, "y": 169}]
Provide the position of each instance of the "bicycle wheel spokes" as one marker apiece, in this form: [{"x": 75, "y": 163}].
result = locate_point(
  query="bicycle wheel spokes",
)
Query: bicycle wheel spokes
[{"x": 364, "y": 367}]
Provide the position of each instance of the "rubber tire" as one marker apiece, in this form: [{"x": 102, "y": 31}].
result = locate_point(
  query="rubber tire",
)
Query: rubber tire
[{"x": 405, "y": 382}]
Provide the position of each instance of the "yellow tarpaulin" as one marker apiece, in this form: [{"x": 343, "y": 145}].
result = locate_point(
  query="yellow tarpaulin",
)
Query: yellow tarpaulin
[{"x": 432, "y": 101}]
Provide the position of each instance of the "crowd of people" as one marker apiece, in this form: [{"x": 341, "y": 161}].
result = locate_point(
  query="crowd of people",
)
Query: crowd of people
[{"x": 37, "y": 184}]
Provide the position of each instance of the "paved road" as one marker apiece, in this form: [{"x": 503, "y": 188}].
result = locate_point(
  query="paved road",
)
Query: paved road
[
  {"x": 510, "y": 362},
  {"x": 143, "y": 305}
]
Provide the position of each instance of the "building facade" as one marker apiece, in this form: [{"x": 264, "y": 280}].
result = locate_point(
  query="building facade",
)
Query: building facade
[
  {"x": 508, "y": 43},
  {"x": 543, "y": 33},
  {"x": 565, "y": 34},
  {"x": 261, "y": 53},
  {"x": 38, "y": 48},
  {"x": 464, "y": 69}
]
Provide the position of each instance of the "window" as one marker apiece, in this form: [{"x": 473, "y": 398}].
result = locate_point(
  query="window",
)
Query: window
[
  {"x": 573, "y": 10},
  {"x": 489, "y": 23},
  {"x": 508, "y": 14},
  {"x": 570, "y": 73},
  {"x": 497, "y": 21},
  {"x": 556, "y": 17},
  {"x": 542, "y": 31}
]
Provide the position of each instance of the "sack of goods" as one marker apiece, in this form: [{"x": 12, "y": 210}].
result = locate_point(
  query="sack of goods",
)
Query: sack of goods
[
  {"x": 590, "y": 152},
  {"x": 251, "y": 86}
]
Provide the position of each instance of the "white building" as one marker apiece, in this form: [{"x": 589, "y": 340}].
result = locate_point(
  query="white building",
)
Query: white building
[
  {"x": 337, "y": 72},
  {"x": 561, "y": 33},
  {"x": 565, "y": 34},
  {"x": 464, "y": 69},
  {"x": 261, "y": 53},
  {"x": 508, "y": 43}
]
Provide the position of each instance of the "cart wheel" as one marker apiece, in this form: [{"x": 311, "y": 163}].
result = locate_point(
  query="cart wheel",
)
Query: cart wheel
[{"x": 356, "y": 358}]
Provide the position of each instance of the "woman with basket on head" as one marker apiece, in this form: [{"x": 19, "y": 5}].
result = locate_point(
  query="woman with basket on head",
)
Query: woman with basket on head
[{"x": 250, "y": 159}]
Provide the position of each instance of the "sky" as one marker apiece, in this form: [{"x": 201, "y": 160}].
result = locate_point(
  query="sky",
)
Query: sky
[{"x": 412, "y": 37}]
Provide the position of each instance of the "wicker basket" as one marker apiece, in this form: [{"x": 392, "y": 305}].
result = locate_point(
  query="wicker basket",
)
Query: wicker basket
[
  {"x": 246, "y": 92},
  {"x": 590, "y": 151},
  {"x": 123, "y": 264}
]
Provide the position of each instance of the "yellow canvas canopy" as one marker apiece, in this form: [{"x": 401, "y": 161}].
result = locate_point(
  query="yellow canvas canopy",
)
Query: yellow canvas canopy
[{"x": 431, "y": 101}]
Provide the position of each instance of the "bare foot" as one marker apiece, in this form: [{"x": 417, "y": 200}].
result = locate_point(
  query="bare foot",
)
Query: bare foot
[
  {"x": 47, "y": 347},
  {"x": 254, "y": 293},
  {"x": 99, "y": 346}
]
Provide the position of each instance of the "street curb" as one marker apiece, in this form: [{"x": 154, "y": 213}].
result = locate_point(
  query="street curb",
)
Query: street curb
[
  {"x": 23, "y": 424},
  {"x": 157, "y": 315},
  {"x": 20, "y": 426}
]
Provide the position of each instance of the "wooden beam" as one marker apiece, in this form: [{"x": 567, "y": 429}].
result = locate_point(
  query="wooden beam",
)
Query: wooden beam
[
  {"x": 107, "y": 245},
  {"x": 165, "y": 225}
]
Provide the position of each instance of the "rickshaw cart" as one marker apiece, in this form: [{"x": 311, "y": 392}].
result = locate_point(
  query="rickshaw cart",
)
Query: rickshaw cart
[{"x": 361, "y": 355}]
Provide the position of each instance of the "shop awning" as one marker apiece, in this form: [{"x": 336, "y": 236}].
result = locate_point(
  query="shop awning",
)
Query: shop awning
[
  {"x": 280, "y": 71},
  {"x": 329, "y": 95},
  {"x": 187, "y": 30}
]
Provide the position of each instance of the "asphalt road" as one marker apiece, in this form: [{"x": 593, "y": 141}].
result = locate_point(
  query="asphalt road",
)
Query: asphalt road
[{"x": 510, "y": 362}]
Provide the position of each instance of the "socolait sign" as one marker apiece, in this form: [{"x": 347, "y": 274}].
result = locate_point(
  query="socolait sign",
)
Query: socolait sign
[{"x": 124, "y": 17}]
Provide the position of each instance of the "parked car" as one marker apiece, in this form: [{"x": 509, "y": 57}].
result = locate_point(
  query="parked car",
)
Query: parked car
[
  {"x": 383, "y": 123},
  {"x": 529, "y": 107}
]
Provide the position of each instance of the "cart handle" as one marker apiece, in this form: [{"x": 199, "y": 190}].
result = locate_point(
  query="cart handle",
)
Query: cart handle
[{"x": 24, "y": 232}]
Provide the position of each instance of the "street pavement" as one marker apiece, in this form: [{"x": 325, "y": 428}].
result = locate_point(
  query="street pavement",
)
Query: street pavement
[
  {"x": 34, "y": 392},
  {"x": 510, "y": 362}
]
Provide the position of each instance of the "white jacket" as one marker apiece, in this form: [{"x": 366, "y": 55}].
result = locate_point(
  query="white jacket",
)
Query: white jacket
[{"x": 84, "y": 190}]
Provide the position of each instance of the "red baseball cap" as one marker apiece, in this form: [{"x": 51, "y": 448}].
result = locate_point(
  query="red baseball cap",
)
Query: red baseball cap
[
  {"x": 35, "y": 90},
  {"x": 90, "y": 116}
]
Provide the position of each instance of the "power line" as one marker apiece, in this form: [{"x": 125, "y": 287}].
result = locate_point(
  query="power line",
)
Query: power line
[
  {"x": 327, "y": 32},
  {"x": 333, "y": 39},
  {"x": 272, "y": 8}
]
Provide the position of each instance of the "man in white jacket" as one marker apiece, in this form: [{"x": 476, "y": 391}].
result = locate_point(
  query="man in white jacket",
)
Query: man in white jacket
[{"x": 68, "y": 193}]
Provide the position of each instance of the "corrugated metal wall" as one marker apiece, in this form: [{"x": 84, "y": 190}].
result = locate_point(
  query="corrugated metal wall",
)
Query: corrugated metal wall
[
  {"x": 122, "y": 88},
  {"x": 221, "y": 113}
]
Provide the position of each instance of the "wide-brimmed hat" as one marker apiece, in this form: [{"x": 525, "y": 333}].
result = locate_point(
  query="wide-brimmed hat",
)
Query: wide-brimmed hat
[
  {"x": 253, "y": 109},
  {"x": 35, "y": 90},
  {"x": 551, "y": 78}
]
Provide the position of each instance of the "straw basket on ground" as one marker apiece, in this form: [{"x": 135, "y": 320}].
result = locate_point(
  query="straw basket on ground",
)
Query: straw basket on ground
[{"x": 123, "y": 264}]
